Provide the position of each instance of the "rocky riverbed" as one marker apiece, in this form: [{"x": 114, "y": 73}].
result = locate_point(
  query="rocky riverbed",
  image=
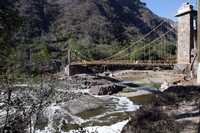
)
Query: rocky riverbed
[
  {"x": 64, "y": 105},
  {"x": 174, "y": 110},
  {"x": 103, "y": 103}
]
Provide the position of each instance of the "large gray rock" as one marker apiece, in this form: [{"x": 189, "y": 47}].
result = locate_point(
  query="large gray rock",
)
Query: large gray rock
[
  {"x": 83, "y": 103},
  {"x": 98, "y": 85},
  {"x": 107, "y": 89}
]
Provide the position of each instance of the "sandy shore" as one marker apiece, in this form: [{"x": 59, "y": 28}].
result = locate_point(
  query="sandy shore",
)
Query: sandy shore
[{"x": 149, "y": 76}]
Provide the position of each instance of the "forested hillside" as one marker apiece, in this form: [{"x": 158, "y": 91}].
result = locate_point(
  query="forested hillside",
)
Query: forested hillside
[{"x": 35, "y": 31}]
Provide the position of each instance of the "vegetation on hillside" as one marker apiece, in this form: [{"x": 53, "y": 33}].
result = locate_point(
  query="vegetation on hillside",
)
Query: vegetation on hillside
[
  {"x": 10, "y": 22},
  {"x": 36, "y": 34}
]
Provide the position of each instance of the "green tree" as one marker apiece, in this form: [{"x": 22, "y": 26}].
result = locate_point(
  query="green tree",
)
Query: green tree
[{"x": 10, "y": 22}]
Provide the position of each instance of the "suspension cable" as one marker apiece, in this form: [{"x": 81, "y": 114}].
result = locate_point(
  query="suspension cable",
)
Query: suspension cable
[
  {"x": 149, "y": 33},
  {"x": 158, "y": 38}
]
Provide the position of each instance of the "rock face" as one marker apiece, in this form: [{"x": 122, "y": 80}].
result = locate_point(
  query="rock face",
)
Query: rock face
[{"x": 82, "y": 104}]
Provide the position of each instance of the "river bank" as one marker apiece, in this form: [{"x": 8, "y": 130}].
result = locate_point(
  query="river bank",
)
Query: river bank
[{"x": 179, "y": 100}]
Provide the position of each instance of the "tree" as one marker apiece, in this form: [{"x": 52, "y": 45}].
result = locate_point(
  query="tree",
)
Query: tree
[
  {"x": 10, "y": 22},
  {"x": 38, "y": 16}
]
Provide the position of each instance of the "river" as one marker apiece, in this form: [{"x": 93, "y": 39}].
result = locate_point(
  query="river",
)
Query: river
[{"x": 108, "y": 119}]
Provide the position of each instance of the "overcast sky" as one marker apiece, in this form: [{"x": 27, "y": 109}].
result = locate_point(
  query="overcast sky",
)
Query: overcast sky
[{"x": 166, "y": 8}]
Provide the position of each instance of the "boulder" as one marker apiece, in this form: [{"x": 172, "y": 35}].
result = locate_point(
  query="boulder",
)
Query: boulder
[
  {"x": 83, "y": 103},
  {"x": 151, "y": 120},
  {"x": 107, "y": 89}
]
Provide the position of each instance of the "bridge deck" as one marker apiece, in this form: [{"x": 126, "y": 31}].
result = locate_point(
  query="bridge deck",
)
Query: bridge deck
[{"x": 91, "y": 68}]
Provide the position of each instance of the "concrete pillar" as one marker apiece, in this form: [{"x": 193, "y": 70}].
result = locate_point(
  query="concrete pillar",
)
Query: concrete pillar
[
  {"x": 198, "y": 42},
  {"x": 185, "y": 33},
  {"x": 68, "y": 68}
]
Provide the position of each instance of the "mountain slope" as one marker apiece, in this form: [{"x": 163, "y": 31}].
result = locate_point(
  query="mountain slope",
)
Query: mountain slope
[
  {"x": 102, "y": 21},
  {"x": 106, "y": 20}
]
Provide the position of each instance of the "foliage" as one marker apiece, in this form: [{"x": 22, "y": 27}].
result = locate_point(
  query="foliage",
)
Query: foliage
[
  {"x": 38, "y": 17},
  {"x": 107, "y": 20},
  {"x": 10, "y": 22},
  {"x": 40, "y": 52},
  {"x": 84, "y": 49}
]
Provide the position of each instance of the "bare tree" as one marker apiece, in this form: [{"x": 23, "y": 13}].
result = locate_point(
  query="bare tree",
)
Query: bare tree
[{"x": 24, "y": 105}]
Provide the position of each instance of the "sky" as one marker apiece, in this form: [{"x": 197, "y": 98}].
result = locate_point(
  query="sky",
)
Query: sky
[{"x": 166, "y": 8}]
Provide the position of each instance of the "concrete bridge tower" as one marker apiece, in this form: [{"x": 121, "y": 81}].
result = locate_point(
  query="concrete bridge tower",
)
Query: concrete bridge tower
[{"x": 186, "y": 34}]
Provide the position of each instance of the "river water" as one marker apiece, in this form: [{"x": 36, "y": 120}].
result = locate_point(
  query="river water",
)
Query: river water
[{"x": 110, "y": 119}]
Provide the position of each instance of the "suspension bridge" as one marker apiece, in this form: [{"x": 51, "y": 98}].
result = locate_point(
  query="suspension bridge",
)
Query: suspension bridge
[{"x": 152, "y": 54}]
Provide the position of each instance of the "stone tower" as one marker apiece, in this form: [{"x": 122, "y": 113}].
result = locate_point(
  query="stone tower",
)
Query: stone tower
[{"x": 186, "y": 34}]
